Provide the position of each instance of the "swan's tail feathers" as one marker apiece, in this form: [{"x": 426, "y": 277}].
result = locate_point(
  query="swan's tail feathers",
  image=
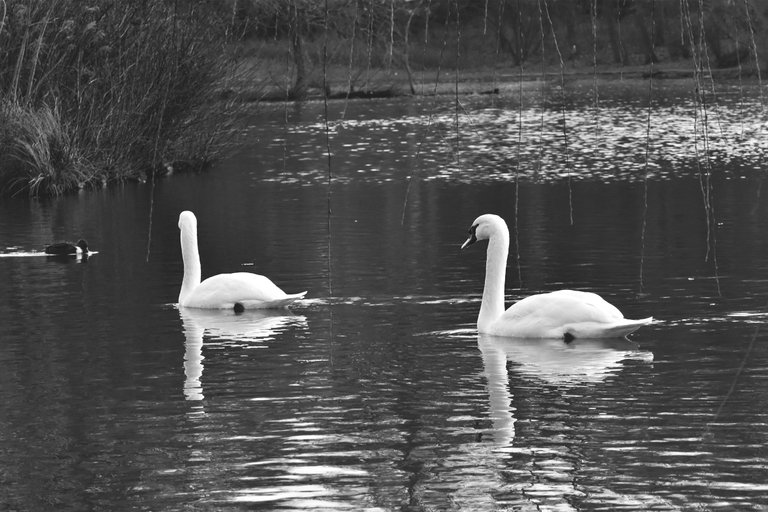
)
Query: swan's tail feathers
[
  {"x": 626, "y": 327},
  {"x": 619, "y": 329},
  {"x": 283, "y": 302}
]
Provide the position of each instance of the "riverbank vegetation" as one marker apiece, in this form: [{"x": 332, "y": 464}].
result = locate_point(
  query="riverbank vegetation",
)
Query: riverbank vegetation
[
  {"x": 96, "y": 92},
  {"x": 93, "y": 92}
]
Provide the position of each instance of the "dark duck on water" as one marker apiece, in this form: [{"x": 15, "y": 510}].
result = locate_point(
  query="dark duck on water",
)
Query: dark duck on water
[{"x": 68, "y": 248}]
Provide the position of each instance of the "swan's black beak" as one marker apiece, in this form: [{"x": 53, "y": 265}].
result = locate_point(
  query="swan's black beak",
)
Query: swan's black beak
[{"x": 472, "y": 238}]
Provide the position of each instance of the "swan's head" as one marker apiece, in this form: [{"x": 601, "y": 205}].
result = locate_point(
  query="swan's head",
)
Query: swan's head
[
  {"x": 187, "y": 220},
  {"x": 484, "y": 227},
  {"x": 82, "y": 245}
]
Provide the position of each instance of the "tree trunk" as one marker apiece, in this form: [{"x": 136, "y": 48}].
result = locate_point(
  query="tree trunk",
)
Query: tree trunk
[
  {"x": 299, "y": 90},
  {"x": 645, "y": 36},
  {"x": 612, "y": 19},
  {"x": 301, "y": 83},
  {"x": 759, "y": 19},
  {"x": 407, "y": 49}
]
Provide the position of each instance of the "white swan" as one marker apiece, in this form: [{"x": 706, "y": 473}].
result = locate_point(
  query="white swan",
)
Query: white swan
[
  {"x": 565, "y": 314},
  {"x": 238, "y": 291}
]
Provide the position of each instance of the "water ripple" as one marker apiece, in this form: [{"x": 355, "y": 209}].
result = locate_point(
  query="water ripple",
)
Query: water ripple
[{"x": 535, "y": 143}]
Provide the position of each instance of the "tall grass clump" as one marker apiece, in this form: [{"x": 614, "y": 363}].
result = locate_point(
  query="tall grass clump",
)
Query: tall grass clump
[
  {"x": 38, "y": 155},
  {"x": 108, "y": 90}
]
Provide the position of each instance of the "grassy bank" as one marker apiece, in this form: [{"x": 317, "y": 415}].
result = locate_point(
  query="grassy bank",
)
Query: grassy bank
[
  {"x": 108, "y": 92},
  {"x": 37, "y": 153},
  {"x": 270, "y": 80}
]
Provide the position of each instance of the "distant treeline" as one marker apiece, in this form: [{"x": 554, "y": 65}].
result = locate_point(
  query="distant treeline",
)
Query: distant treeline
[{"x": 425, "y": 34}]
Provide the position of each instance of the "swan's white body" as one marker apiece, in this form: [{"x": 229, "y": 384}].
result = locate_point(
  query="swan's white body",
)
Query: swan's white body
[
  {"x": 563, "y": 314},
  {"x": 223, "y": 291}
]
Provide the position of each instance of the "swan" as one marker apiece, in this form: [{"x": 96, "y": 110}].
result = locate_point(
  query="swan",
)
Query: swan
[
  {"x": 238, "y": 291},
  {"x": 564, "y": 314},
  {"x": 67, "y": 248}
]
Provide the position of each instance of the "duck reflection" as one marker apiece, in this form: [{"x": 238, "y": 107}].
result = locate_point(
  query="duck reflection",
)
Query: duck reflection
[
  {"x": 226, "y": 326},
  {"x": 551, "y": 362}
]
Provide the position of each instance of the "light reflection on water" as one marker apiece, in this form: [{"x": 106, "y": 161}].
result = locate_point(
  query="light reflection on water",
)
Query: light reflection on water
[
  {"x": 375, "y": 393},
  {"x": 225, "y": 330},
  {"x": 613, "y": 142}
]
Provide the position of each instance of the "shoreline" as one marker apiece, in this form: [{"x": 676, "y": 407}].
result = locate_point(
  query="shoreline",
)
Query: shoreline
[{"x": 434, "y": 83}]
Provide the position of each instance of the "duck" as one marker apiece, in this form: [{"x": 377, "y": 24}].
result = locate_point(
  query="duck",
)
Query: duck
[
  {"x": 68, "y": 248},
  {"x": 564, "y": 314},
  {"x": 238, "y": 291}
]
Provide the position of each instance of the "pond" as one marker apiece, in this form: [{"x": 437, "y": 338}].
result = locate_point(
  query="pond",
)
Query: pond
[{"x": 375, "y": 392}]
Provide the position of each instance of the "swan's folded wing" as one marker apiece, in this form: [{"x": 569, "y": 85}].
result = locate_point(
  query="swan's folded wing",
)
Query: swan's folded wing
[
  {"x": 273, "y": 304},
  {"x": 552, "y": 315},
  {"x": 618, "y": 329},
  {"x": 563, "y": 307},
  {"x": 223, "y": 291}
]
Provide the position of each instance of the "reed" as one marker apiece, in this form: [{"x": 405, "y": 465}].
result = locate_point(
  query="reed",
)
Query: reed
[
  {"x": 91, "y": 94},
  {"x": 38, "y": 155}
]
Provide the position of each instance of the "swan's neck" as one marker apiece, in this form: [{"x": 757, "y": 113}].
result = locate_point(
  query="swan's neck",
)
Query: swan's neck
[
  {"x": 495, "y": 366},
  {"x": 191, "y": 263},
  {"x": 495, "y": 272}
]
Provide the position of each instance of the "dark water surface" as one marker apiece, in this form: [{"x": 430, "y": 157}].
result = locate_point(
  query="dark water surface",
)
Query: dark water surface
[{"x": 376, "y": 393}]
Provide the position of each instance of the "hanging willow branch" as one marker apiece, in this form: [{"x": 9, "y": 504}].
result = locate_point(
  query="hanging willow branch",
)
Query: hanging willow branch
[
  {"x": 754, "y": 52},
  {"x": 701, "y": 121},
  {"x": 596, "y": 98},
  {"x": 647, "y": 144},
  {"x": 428, "y": 128},
  {"x": 329, "y": 211},
  {"x": 543, "y": 68},
  {"x": 562, "y": 109},
  {"x": 457, "y": 103},
  {"x": 351, "y": 63},
  {"x": 519, "y": 151}
]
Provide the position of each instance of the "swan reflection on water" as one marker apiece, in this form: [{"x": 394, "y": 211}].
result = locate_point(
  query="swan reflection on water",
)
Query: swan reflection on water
[
  {"x": 225, "y": 326},
  {"x": 550, "y": 362}
]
